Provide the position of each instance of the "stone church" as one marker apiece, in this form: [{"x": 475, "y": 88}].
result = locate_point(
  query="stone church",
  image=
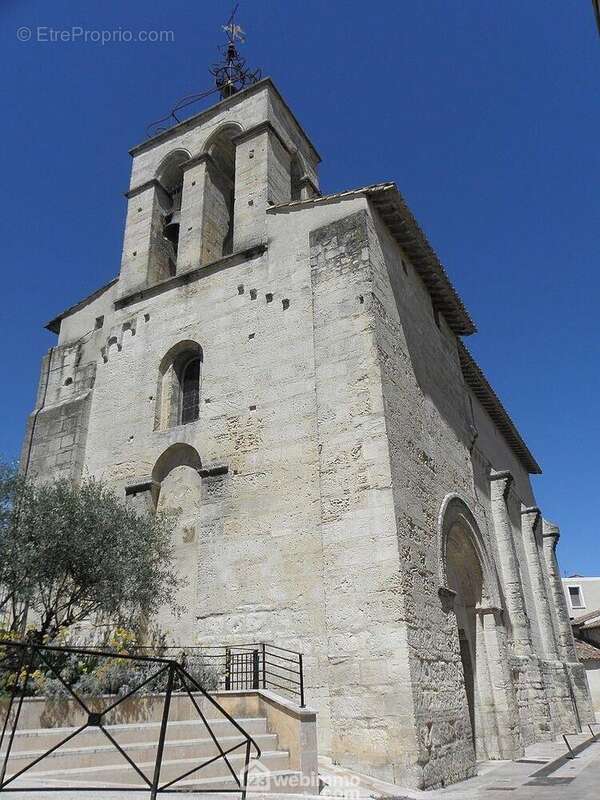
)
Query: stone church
[{"x": 289, "y": 369}]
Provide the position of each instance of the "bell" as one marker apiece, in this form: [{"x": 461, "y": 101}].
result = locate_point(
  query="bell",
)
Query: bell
[{"x": 171, "y": 229}]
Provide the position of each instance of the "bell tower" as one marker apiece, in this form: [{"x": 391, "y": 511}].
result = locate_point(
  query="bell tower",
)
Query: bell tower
[{"x": 201, "y": 185}]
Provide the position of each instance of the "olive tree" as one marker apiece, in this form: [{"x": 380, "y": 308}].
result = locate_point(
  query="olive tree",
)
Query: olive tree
[{"x": 73, "y": 552}]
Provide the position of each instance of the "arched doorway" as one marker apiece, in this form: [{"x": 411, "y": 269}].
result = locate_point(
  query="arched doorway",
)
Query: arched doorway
[
  {"x": 180, "y": 489},
  {"x": 487, "y": 693},
  {"x": 464, "y": 576}
]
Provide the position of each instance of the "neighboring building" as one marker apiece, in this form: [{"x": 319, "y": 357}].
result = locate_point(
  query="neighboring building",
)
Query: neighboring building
[
  {"x": 289, "y": 370},
  {"x": 583, "y": 594},
  {"x": 587, "y": 627},
  {"x": 586, "y": 630},
  {"x": 583, "y": 601},
  {"x": 589, "y": 655}
]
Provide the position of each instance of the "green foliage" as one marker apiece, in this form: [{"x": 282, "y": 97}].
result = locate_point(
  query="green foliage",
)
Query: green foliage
[
  {"x": 77, "y": 552},
  {"x": 92, "y": 674}
]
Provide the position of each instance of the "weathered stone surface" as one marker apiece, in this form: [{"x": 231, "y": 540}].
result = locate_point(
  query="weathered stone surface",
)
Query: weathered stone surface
[{"x": 343, "y": 491}]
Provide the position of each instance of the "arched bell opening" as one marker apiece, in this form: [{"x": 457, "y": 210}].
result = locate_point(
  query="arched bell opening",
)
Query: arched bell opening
[
  {"x": 219, "y": 198},
  {"x": 170, "y": 178}
]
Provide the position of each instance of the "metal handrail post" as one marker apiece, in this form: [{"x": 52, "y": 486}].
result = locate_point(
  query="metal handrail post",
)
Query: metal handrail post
[
  {"x": 227, "y": 669},
  {"x": 15, "y": 721},
  {"x": 301, "y": 667},
  {"x": 246, "y": 769},
  {"x": 255, "y": 669},
  {"x": 163, "y": 734}
]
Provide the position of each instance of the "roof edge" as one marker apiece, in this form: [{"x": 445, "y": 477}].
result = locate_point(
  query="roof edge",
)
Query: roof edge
[
  {"x": 211, "y": 110},
  {"x": 404, "y": 228},
  {"x": 483, "y": 391},
  {"x": 54, "y": 324}
]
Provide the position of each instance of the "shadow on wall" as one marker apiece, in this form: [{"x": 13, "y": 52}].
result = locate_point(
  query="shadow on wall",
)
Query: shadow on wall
[{"x": 430, "y": 347}]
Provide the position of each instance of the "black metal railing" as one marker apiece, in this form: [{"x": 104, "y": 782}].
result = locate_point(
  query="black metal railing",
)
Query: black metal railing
[
  {"x": 21, "y": 662},
  {"x": 248, "y": 666},
  {"x": 258, "y": 666}
]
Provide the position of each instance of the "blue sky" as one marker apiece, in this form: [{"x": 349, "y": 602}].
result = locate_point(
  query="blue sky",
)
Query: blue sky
[{"x": 486, "y": 114}]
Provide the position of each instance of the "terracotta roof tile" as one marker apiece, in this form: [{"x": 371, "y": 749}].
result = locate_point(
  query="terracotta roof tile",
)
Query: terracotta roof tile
[{"x": 586, "y": 651}]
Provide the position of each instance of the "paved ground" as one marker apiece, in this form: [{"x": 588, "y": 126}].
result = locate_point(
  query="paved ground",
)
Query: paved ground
[
  {"x": 545, "y": 773},
  {"x": 541, "y": 775}
]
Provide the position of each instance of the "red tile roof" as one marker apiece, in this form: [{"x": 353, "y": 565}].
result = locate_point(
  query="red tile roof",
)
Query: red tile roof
[{"x": 586, "y": 651}]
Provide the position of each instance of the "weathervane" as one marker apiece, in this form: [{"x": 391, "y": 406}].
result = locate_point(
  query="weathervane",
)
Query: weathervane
[
  {"x": 231, "y": 75},
  {"x": 234, "y": 31}
]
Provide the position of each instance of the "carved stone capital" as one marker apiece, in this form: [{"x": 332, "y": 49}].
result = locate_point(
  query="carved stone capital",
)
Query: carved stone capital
[
  {"x": 532, "y": 512},
  {"x": 483, "y": 610},
  {"x": 503, "y": 476},
  {"x": 550, "y": 531},
  {"x": 448, "y": 597}
]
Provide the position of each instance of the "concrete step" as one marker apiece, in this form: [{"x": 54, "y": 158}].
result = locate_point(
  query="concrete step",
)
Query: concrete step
[
  {"x": 74, "y": 754},
  {"x": 45, "y": 738},
  {"x": 285, "y": 782},
  {"x": 119, "y": 773}
]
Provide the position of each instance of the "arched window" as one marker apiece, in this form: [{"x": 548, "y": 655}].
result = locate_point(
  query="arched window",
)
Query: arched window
[
  {"x": 190, "y": 391},
  {"x": 179, "y": 382}
]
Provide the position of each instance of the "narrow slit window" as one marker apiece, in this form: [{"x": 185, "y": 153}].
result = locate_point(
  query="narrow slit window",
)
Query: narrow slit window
[{"x": 190, "y": 391}]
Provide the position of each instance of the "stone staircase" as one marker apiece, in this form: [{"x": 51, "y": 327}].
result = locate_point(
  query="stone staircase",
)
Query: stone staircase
[{"x": 90, "y": 759}]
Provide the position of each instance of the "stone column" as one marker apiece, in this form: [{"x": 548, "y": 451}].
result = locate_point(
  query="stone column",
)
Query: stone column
[
  {"x": 531, "y": 519},
  {"x": 262, "y": 179},
  {"x": 498, "y": 717},
  {"x": 191, "y": 228},
  {"x": 574, "y": 671},
  {"x": 566, "y": 645},
  {"x": 143, "y": 262},
  {"x": 509, "y": 565}
]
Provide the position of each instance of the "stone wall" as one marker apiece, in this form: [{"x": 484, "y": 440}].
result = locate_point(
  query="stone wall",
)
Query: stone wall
[
  {"x": 431, "y": 418},
  {"x": 55, "y": 438},
  {"x": 373, "y": 724},
  {"x": 259, "y": 564},
  {"x": 336, "y": 437},
  {"x": 425, "y": 407}
]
